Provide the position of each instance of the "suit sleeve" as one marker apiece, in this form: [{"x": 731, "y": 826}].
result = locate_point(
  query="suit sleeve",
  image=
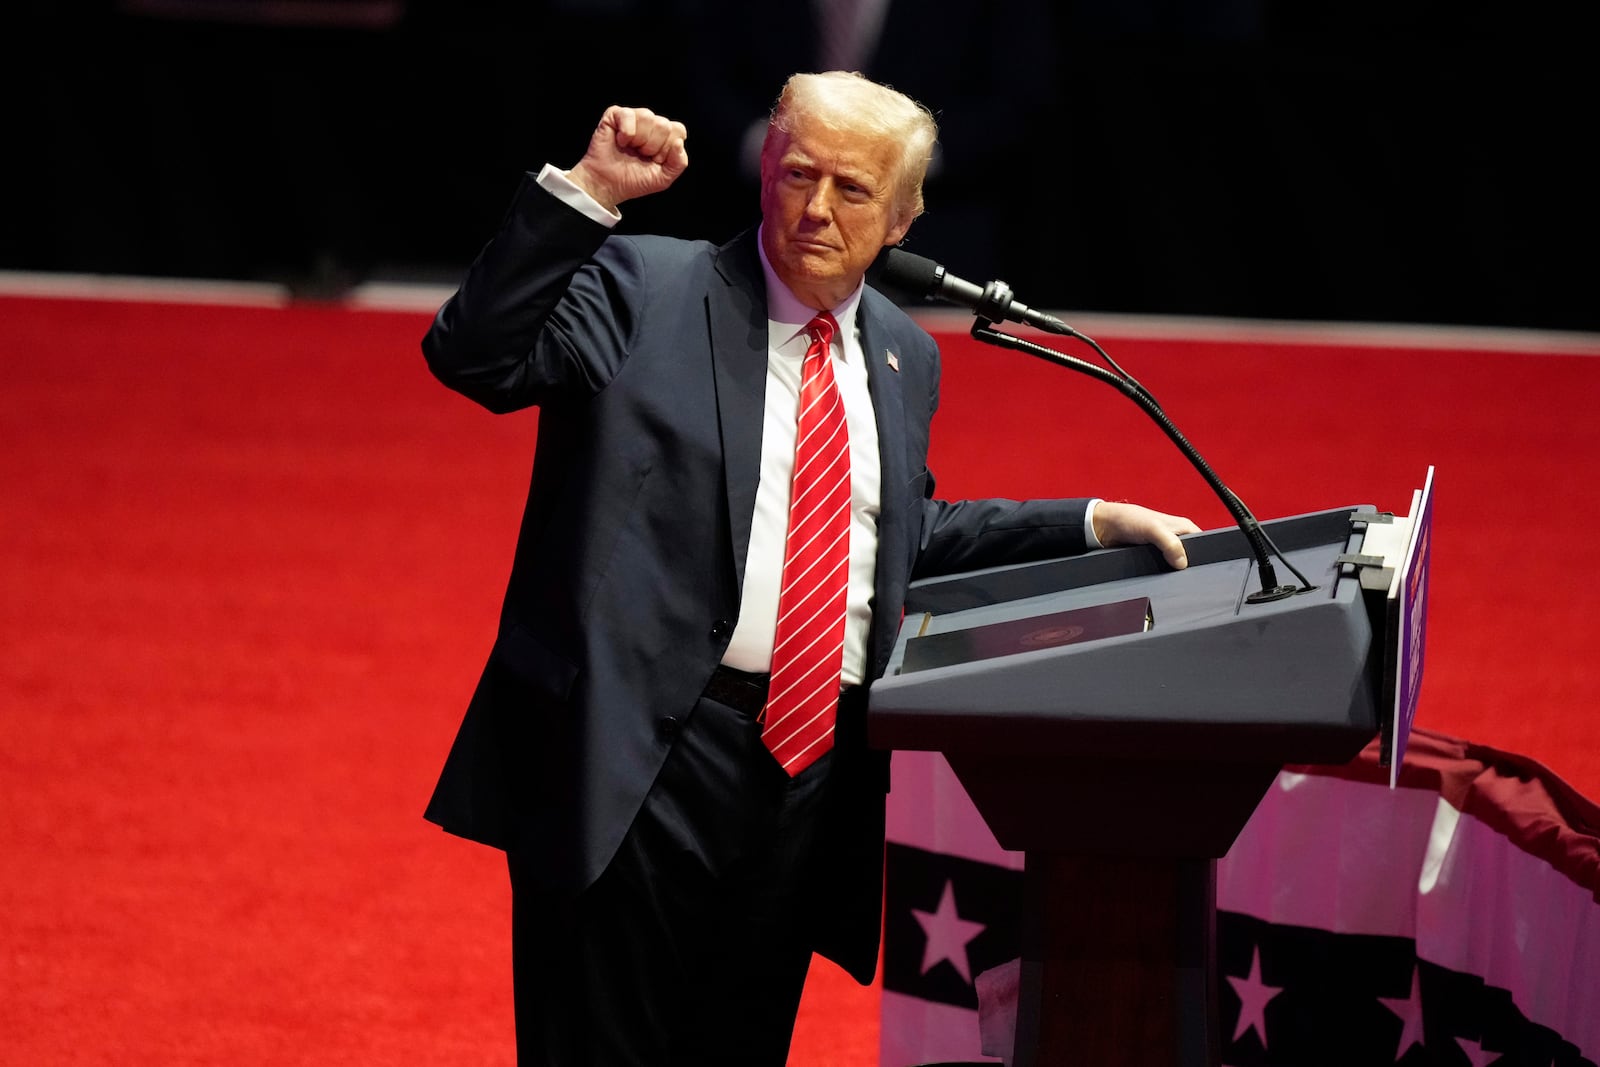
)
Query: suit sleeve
[
  {"x": 547, "y": 312},
  {"x": 963, "y": 535}
]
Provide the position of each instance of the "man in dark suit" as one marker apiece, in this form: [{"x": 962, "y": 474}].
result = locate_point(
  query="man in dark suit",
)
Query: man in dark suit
[{"x": 673, "y": 866}]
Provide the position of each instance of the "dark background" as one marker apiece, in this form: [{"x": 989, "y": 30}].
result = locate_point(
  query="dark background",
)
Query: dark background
[{"x": 1385, "y": 161}]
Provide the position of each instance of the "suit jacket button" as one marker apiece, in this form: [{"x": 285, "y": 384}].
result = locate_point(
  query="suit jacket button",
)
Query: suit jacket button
[
  {"x": 669, "y": 727},
  {"x": 721, "y": 628}
]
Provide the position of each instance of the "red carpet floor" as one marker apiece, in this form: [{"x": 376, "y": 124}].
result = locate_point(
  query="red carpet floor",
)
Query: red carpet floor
[{"x": 250, "y": 562}]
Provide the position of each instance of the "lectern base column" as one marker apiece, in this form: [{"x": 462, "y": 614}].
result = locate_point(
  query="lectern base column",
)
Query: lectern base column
[{"x": 1118, "y": 963}]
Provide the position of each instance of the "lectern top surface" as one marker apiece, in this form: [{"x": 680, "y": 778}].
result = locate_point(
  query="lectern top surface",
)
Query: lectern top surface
[{"x": 1213, "y": 676}]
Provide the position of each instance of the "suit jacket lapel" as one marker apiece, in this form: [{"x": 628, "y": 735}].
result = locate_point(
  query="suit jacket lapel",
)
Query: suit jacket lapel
[
  {"x": 894, "y": 518},
  {"x": 737, "y": 316}
]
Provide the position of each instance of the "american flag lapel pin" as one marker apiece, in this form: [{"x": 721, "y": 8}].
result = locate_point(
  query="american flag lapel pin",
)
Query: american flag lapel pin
[{"x": 891, "y": 359}]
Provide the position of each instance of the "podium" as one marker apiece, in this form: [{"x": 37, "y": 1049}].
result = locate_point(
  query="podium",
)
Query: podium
[{"x": 1126, "y": 766}]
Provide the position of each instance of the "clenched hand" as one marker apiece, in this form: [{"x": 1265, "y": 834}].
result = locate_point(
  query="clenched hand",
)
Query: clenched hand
[{"x": 634, "y": 152}]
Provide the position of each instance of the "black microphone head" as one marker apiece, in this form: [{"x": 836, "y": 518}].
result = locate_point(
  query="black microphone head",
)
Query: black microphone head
[{"x": 897, "y": 270}]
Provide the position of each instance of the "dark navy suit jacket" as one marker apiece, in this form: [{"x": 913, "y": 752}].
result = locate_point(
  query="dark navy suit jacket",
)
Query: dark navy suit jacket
[{"x": 647, "y": 358}]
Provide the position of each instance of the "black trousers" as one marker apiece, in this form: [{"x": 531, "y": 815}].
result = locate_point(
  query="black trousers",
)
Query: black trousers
[{"x": 692, "y": 947}]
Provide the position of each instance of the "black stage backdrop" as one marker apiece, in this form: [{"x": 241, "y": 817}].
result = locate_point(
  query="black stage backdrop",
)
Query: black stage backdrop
[{"x": 1397, "y": 161}]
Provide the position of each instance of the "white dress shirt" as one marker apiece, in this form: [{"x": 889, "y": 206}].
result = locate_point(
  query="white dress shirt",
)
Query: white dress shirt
[{"x": 755, "y": 631}]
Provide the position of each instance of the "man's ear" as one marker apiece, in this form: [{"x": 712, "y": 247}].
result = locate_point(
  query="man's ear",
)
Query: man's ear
[{"x": 897, "y": 233}]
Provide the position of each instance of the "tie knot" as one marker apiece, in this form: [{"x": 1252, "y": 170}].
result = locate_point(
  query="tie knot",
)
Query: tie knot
[{"x": 822, "y": 328}]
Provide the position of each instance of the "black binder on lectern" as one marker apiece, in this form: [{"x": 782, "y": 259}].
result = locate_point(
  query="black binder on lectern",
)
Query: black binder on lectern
[{"x": 1125, "y": 766}]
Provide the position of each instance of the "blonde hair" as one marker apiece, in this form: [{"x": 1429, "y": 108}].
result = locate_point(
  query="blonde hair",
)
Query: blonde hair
[{"x": 848, "y": 101}]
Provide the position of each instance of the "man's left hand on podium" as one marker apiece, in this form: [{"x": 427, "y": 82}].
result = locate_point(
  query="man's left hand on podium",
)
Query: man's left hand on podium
[{"x": 1119, "y": 523}]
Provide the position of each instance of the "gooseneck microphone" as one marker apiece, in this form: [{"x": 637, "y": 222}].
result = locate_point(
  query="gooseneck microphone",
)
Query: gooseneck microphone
[{"x": 921, "y": 277}]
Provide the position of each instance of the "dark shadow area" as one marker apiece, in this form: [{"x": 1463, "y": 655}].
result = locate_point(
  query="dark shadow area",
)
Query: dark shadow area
[{"x": 1259, "y": 158}]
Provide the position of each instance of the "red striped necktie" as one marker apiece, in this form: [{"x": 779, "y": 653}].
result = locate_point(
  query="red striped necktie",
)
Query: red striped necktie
[{"x": 808, "y": 647}]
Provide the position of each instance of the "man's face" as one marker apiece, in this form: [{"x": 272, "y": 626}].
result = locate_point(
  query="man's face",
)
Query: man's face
[{"x": 828, "y": 206}]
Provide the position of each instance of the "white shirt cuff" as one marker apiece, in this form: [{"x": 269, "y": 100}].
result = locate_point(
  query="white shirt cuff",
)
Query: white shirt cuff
[
  {"x": 554, "y": 181},
  {"x": 1088, "y": 524}
]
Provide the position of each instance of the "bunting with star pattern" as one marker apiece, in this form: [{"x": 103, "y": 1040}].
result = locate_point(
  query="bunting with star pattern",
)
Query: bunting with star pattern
[{"x": 1453, "y": 921}]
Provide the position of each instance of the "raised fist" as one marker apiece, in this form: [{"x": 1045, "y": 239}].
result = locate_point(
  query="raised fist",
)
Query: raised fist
[{"x": 634, "y": 152}]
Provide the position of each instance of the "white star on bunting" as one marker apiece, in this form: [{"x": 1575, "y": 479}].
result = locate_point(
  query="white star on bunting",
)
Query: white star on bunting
[
  {"x": 1410, "y": 1012},
  {"x": 1477, "y": 1055},
  {"x": 948, "y": 934},
  {"x": 1253, "y": 997}
]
